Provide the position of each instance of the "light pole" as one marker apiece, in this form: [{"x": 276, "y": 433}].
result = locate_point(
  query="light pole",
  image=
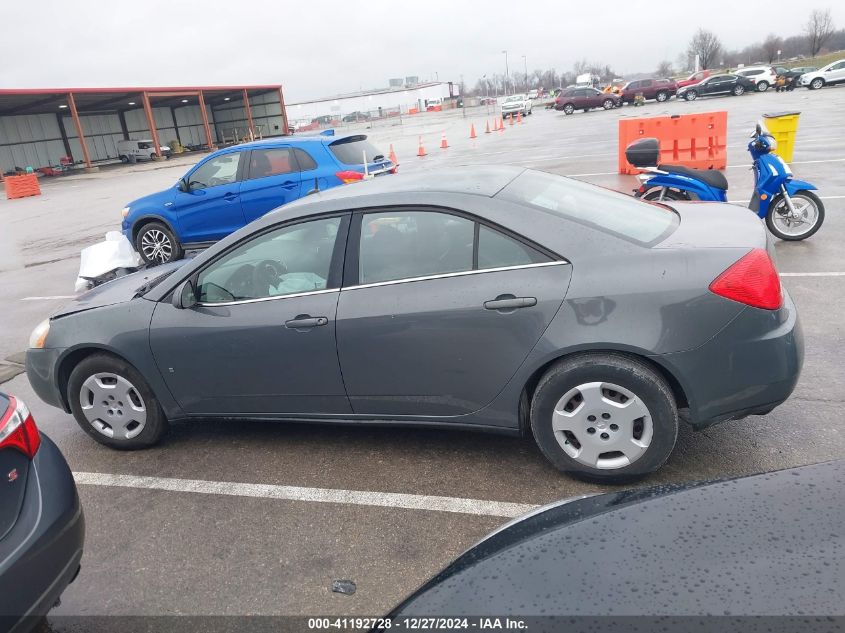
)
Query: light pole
[
  {"x": 525, "y": 62},
  {"x": 507, "y": 75}
]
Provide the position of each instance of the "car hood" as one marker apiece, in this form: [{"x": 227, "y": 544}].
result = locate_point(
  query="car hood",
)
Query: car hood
[
  {"x": 119, "y": 290},
  {"x": 762, "y": 545}
]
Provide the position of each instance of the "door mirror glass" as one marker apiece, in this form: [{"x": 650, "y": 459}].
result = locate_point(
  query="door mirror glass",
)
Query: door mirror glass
[
  {"x": 185, "y": 296},
  {"x": 182, "y": 185}
]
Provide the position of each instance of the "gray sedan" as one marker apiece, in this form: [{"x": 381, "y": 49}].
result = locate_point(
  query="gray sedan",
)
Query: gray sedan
[{"x": 489, "y": 298}]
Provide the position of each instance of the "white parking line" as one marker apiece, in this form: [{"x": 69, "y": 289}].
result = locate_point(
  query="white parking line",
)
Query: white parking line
[
  {"x": 48, "y": 298},
  {"x": 317, "y": 495},
  {"x": 813, "y": 274}
]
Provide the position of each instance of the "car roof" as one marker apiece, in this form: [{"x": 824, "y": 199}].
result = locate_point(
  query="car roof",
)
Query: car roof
[{"x": 290, "y": 139}]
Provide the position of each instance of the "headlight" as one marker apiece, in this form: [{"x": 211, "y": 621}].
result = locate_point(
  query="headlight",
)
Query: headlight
[
  {"x": 39, "y": 335},
  {"x": 125, "y": 212}
]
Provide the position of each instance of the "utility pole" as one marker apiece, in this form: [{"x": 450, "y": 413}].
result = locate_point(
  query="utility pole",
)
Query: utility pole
[
  {"x": 525, "y": 61},
  {"x": 507, "y": 74}
]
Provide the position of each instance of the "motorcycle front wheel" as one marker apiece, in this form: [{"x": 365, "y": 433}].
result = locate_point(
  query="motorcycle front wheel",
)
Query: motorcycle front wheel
[
  {"x": 653, "y": 195},
  {"x": 808, "y": 208}
]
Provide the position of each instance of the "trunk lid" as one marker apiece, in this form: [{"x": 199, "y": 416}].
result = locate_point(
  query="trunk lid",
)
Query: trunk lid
[{"x": 715, "y": 225}]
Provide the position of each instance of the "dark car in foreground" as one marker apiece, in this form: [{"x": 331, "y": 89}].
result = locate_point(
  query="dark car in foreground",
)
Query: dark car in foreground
[
  {"x": 725, "y": 84},
  {"x": 657, "y": 89},
  {"x": 585, "y": 99},
  {"x": 489, "y": 298},
  {"x": 42, "y": 529},
  {"x": 766, "y": 545}
]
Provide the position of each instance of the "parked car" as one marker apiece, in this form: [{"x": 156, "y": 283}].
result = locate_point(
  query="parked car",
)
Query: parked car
[
  {"x": 742, "y": 547},
  {"x": 789, "y": 73},
  {"x": 763, "y": 76},
  {"x": 833, "y": 73},
  {"x": 693, "y": 78},
  {"x": 657, "y": 89},
  {"x": 585, "y": 99},
  {"x": 42, "y": 529},
  {"x": 519, "y": 103},
  {"x": 236, "y": 185},
  {"x": 354, "y": 117},
  {"x": 488, "y": 298},
  {"x": 324, "y": 120},
  {"x": 140, "y": 149},
  {"x": 533, "y": 94},
  {"x": 717, "y": 85}
]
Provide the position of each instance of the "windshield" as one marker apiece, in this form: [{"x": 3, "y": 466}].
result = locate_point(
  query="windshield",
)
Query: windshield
[
  {"x": 351, "y": 150},
  {"x": 513, "y": 98},
  {"x": 608, "y": 211}
]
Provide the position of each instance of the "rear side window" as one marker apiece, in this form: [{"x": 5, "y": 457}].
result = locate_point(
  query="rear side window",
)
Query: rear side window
[
  {"x": 306, "y": 163},
  {"x": 351, "y": 150},
  {"x": 496, "y": 250},
  {"x": 271, "y": 162},
  {"x": 605, "y": 210}
]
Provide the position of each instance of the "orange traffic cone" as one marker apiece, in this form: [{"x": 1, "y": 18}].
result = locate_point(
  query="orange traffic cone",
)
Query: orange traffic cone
[
  {"x": 472, "y": 133},
  {"x": 501, "y": 124},
  {"x": 487, "y": 131},
  {"x": 421, "y": 150},
  {"x": 518, "y": 117},
  {"x": 510, "y": 120},
  {"x": 392, "y": 156},
  {"x": 444, "y": 144}
]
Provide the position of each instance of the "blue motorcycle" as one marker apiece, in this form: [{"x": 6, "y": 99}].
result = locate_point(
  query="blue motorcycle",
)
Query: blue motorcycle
[{"x": 791, "y": 210}]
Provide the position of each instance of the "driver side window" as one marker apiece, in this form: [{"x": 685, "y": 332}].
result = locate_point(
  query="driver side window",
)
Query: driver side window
[
  {"x": 289, "y": 260},
  {"x": 222, "y": 170}
]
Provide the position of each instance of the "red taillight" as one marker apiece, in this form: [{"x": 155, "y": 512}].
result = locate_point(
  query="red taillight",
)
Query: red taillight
[
  {"x": 395, "y": 169},
  {"x": 18, "y": 430},
  {"x": 349, "y": 176},
  {"x": 753, "y": 280}
]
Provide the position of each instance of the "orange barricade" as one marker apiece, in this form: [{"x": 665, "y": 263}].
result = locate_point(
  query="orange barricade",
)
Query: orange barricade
[
  {"x": 22, "y": 186},
  {"x": 692, "y": 140}
]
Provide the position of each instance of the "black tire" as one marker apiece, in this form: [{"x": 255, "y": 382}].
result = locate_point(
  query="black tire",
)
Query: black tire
[
  {"x": 778, "y": 199},
  {"x": 156, "y": 424},
  {"x": 738, "y": 90},
  {"x": 690, "y": 95},
  {"x": 671, "y": 194},
  {"x": 762, "y": 86},
  {"x": 568, "y": 109},
  {"x": 161, "y": 256},
  {"x": 124, "y": 158},
  {"x": 607, "y": 104},
  {"x": 628, "y": 373},
  {"x": 662, "y": 96},
  {"x": 817, "y": 83}
]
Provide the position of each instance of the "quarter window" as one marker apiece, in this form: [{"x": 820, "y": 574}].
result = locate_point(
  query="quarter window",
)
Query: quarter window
[
  {"x": 306, "y": 163},
  {"x": 496, "y": 250},
  {"x": 288, "y": 260},
  {"x": 222, "y": 170}
]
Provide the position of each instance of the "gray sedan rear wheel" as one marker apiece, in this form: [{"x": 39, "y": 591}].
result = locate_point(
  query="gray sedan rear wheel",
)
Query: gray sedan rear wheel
[
  {"x": 604, "y": 417},
  {"x": 113, "y": 403}
]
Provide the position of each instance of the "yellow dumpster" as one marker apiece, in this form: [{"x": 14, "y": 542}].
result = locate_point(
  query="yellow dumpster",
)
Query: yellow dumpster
[{"x": 784, "y": 127}]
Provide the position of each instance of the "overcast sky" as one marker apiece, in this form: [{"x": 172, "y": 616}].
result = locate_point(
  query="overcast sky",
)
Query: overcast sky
[{"x": 323, "y": 48}]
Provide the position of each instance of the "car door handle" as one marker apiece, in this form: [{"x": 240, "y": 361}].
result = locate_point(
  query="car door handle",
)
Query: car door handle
[
  {"x": 305, "y": 322},
  {"x": 289, "y": 184},
  {"x": 230, "y": 196},
  {"x": 509, "y": 302}
]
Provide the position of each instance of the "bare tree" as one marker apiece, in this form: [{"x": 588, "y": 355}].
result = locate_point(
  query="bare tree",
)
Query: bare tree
[
  {"x": 771, "y": 47},
  {"x": 664, "y": 69},
  {"x": 819, "y": 29},
  {"x": 581, "y": 66},
  {"x": 707, "y": 46}
]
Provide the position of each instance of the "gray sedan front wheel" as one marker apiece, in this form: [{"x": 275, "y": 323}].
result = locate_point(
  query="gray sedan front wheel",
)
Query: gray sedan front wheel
[
  {"x": 604, "y": 417},
  {"x": 113, "y": 403}
]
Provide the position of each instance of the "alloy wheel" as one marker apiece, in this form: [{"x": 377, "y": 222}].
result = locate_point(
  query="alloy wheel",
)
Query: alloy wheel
[
  {"x": 602, "y": 425},
  {"x": 156, "y": 246},
  {"x": 113, "y": 406},
  {"x": 802, "y": 221}
]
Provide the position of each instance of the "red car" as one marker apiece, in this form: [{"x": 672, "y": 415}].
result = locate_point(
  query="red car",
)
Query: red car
[
  {"x": 584, "y": 99},
  {"x": 657, "y": 89},
  {"x": 693, "y": 78}
]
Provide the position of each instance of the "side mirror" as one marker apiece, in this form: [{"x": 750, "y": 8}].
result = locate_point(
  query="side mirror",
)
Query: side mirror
[
  {"x": 183, "y": 186},
  {"x": 185, "y": 296}
]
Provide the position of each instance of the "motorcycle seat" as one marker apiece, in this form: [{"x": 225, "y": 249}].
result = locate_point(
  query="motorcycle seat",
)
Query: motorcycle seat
[{"x": 710, "y": 177}]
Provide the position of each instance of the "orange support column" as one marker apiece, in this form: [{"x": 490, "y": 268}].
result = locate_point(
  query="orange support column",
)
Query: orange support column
[
  {"x": 248, "y": 111},
  {"x": 205, "y": 123},
  {"x": 148, "y": 110},
  {"x": 285, "y": 128},
  {"x": 78, "y": 125}
]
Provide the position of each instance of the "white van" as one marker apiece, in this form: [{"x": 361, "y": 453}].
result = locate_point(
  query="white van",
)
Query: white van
[{"x": 141, "y": 149}]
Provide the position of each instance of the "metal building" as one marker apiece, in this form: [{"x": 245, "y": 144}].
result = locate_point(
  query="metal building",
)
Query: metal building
[{"x": 39, "y": 127}]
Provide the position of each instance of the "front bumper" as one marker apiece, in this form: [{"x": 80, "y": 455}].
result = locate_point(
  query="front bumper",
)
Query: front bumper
[
  {"x": 42, "y": 367},
  {"x": 748, "y": 368},
  {"x": 41, "y": 555}
]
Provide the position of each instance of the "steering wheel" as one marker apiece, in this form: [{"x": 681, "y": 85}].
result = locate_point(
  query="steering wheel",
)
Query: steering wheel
[
  {"x": 240, "y": 283},
  {"x": 267, "y": 273}
]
